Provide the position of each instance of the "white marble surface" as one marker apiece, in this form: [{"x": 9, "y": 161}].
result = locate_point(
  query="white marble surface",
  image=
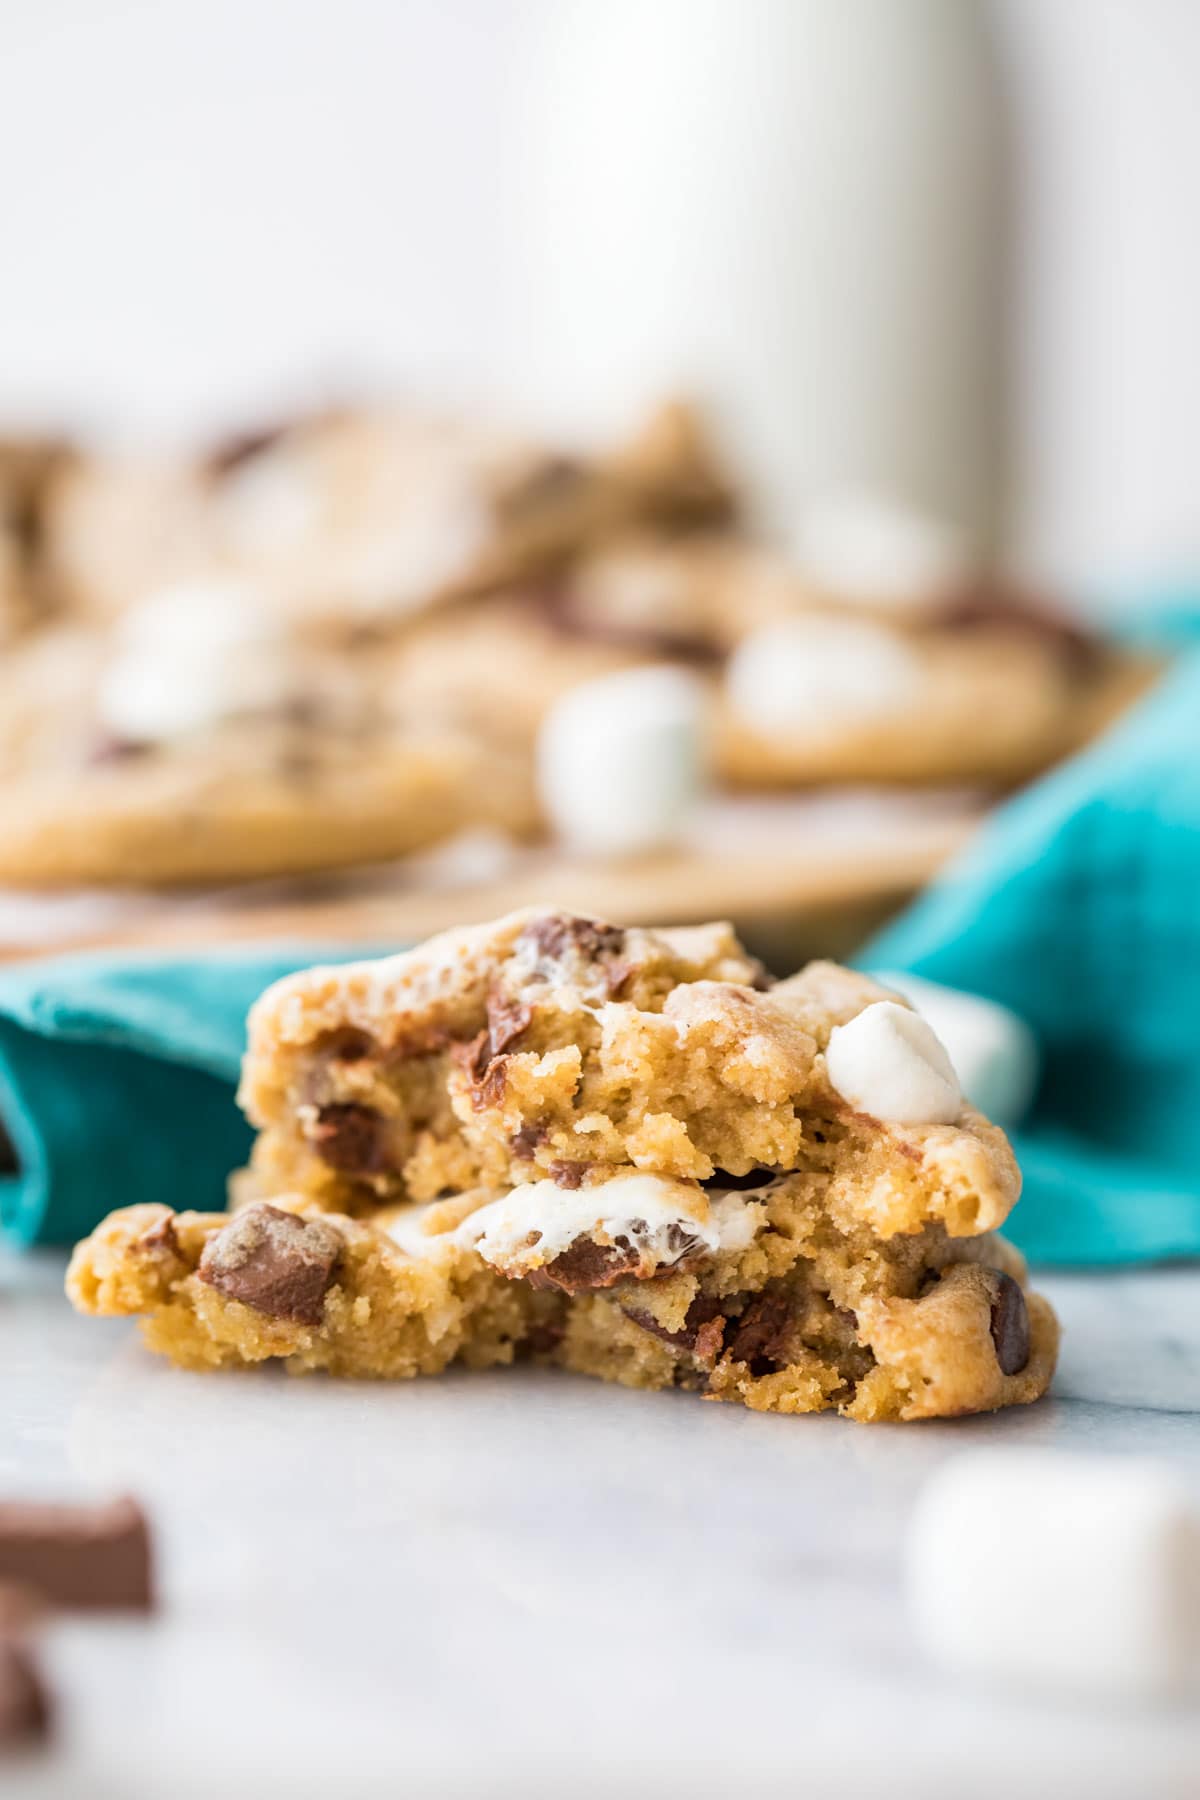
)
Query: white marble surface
[{"x": 521, "y": 1583}]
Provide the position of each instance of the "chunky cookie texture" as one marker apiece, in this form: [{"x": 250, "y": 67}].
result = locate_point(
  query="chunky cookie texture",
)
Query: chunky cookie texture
[{"x": 615, "y": 1150}]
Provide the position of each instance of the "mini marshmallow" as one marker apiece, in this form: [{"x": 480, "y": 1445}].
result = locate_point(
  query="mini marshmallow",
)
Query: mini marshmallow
[
  {"x": 188, "y": 657},
  {"x": 1055, "y": 1570},
  {"x": 889, "y": 1062},
  {"x": 868, "y": 550},
  {"x": 800, "y": 676},
  {"x": 620, "y": 760},
  {"x": 994, "y": 1053}
]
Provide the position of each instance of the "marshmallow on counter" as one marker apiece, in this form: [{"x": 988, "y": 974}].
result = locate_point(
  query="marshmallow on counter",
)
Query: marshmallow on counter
[
  {"x": 1059, "y": 1571},
  {"x": 864, "y": 549},
  {"x": 994, "y": 1053},
  {"x": 798, "y": 677},
  {"x": 621, "y": 760},
  {"x": 189, "y": 656},
  {"x": 887, "y": 1061}
]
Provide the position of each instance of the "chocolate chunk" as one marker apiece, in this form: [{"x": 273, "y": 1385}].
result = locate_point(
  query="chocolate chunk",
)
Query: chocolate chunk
[
  {"x": 739, "y": 1184},
  {"x": 274, "y": 1262},
  {"x": 559, "y": 934},
  {"x": 985, "y": 603},
  {"x": 161, "y": 1236},
  {"x": 107, "y": 748},
  {"x": 242, "y": 447},
  {"x": 24, "y": 1702},
  {"x": 78, "y": 1556},
  {"x": 348, "y": 1137},
  {"x": 761, "y": 1334},
  {"x": 540, "y": 1340},
  {"x": 585, "y": 1265},
  {"x": 701, "y": 1334},
  {"x": 559, "y": 608},
  {"x": 568, "y": 1174},
  {"x": 507, "y": 1018},
  {"x": 524, "y": 1142},
  {"x": 1010, "y": 1324}
]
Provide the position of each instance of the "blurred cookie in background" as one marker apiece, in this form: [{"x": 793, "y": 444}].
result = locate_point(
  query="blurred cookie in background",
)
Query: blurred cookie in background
[
  {"x": 199, "y": 745},
  {"x": 30, "y": 469},
  {"x": 361, "y": 518}
]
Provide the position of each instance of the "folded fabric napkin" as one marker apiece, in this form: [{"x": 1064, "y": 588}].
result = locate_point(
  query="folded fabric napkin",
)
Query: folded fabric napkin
[
  {"x": 117, "y": 1078},
  {"x": 1079, "y": 908}
]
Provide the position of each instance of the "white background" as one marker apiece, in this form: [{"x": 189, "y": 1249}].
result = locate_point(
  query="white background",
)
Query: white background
[{"x": 204, "y": 201}]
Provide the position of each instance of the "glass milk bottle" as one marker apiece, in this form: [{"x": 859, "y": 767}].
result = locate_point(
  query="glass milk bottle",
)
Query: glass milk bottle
[{"x": 784, "y": 207}]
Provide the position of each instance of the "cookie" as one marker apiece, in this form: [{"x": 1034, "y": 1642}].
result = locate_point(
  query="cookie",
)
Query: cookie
[
  {"x": 359, "y": 519},
  {"x": 30, "y": 468},
  {"x": 214, "y": 763},
  {"x": 615, "y": 1150}
]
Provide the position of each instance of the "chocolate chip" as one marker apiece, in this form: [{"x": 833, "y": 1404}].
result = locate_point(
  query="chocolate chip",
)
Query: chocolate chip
[
  {"x": 738, "y": 1184},
  {"x": 108, "y": 748},
  {"x": 89, "y": 1556},
  {"x": 568, "y": 1174},
  {"x": 702, "y": 1331},
  {"x": 559, "y": 608},
  {"x": 540, "y": 1340},
  {"x": 161, "y": 1236},
  {"x": 274, "y": 1262},
  {"x": 349, "y": 1137},
  {"x": 241, "y": 447},
  {"x": 760, "y": 1335},
  {"x": 1010, "y": 1324},
  {"x": 507, "y": 1018},
  {"x": 524, "y": 1142},
  {"x": 556, "y": 935},
  {"x": 585, "y": 1265},
  {"x": 24, "y": 1702}
]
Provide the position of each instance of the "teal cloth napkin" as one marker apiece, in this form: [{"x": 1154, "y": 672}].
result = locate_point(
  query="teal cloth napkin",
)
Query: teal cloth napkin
[
  {"x": 1079, "y": 908},
  {"x": 117, "y": 1077}
]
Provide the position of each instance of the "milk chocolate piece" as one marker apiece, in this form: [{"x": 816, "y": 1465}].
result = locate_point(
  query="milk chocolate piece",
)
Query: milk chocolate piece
[
  {"x": 85, "y": 1556},
  {"x": 24, "y": 1702},
  {"x": 1010, "y": 1325},
  {"x": 274, "y": 1262}
]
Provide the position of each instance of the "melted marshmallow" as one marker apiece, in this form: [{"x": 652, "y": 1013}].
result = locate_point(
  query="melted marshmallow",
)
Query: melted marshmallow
[
  {"x": 188, "y": 657},
  {"x": 800, "y": 676},
  {"x": 865, "y": 549},
  {"x": 656, "y": 1215}
]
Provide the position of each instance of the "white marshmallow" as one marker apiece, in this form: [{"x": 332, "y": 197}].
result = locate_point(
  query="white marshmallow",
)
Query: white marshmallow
[
  {"x": 863, "y": 548},
  {"x": 994, "y": 1052},
  {"x": 800, "y": 676},
  {"x": 621, "y": 760},
  {"x": 887, "y": 1061},
  {"x": 188, "y": 657},
  {"x": 655, "y": 1214},
  {"x": 1046, "y": 1569}
]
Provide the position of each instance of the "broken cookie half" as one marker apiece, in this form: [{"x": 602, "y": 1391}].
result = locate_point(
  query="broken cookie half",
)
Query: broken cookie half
[{"x": 624, "y": 1152}]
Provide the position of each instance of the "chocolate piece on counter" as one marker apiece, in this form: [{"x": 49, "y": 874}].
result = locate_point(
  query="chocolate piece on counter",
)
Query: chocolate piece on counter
[
  {"x": 1010, "y": 1325},
  {"x": 346, "y": 1135},
  {"x": 85, "y": 1556},
  {"x": 586, "y": 1265},
  {"x": 20, "y": 1606},
  {"x": 24, "y": 1703},
  {"x": 274, "y": 1262}
]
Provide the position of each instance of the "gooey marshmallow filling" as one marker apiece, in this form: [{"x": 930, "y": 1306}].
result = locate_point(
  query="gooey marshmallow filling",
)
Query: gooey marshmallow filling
[
  {"x": 802, "y": 676},
  {"x": 888, "y": 1061},
  {"x": 655, "y": 1215}
]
